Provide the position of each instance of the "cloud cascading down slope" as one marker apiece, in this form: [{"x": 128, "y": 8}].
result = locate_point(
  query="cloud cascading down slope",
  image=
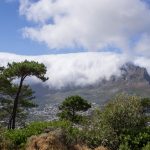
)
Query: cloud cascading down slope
[
  {"x": 74, "y": 69},
  {"x": 78, "y": 69}
]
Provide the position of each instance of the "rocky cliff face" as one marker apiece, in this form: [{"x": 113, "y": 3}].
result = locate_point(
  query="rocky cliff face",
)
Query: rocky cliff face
[
  {"x": 133, "y": 80},
  {"x": 131, "y": 73}
]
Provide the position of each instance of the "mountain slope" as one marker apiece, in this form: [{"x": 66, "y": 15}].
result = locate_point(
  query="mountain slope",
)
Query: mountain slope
[{"x": 133, "y": 80}]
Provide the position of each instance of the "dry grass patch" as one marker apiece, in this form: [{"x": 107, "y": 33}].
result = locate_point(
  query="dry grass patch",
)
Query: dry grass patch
[
  {"x": 47, "y": 141},
  {"x": 101, "y": 148},
  {"x": 80, "y": 147}
]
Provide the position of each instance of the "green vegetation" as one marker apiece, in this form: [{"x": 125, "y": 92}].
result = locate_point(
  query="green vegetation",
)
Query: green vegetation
[
  {"x": 71, "y": 106},
  {"x": 18, "y": 137},
  {"x": 20, "y": 71},
  {"x": 145, "y": 102},
  {"x": 120, "y": 125},
  {"x": 124, "y": 147},
  {"x": 24, "y": 104},
  {"x": 123, "y": 114},
  {"x": 147, "y": 147}
]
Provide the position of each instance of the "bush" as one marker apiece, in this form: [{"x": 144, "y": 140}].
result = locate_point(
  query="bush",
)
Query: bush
[
  {"x": 147, "y": 147},
  {"x": 5, "y": 143},
  {"x": 72, "y": 135},
  {"x": 19, "y": 136},
  {"x": 124, "y": 147},
  {"x": 138, "y": 140},
  {"x": 94, "y": 133},
  {"x": 120, "y": 121},
  {"x": 124, "y": 114}
]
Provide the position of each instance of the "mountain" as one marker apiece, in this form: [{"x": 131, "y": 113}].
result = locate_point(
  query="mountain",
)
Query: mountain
[{"x": 132, "y": 80}]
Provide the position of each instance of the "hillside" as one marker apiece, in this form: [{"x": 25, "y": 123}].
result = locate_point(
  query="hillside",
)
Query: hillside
[{"x": 133, "y": 80}]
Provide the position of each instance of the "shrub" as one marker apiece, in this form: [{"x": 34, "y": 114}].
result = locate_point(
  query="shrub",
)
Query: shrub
[
  {"x": 5, "y": 143},
  {"x": 95, "y": 133},
  {"x": 124, "y": 147},
  {"x": 121, "y": 117},
  {"x": 138, "y": 140},
  {"x": 124, "y": 114},
  {"x": 19, "y": 136},
  {"x": 147, "y": 147}
]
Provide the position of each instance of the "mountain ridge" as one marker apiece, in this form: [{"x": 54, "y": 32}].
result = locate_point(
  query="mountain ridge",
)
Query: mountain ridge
[{"x": 132, "y": 80}]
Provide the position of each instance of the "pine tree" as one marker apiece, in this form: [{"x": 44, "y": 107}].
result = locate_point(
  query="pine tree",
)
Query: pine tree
[{"x": 20, "y": 71}]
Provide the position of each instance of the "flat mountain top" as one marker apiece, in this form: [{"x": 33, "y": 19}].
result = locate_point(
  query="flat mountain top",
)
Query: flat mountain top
[{"x": 132, "y": 80}]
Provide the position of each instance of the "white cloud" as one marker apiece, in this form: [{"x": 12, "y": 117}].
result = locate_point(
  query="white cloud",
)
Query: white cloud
[
  {"x": 77, "y": 69},
  {"x": 92, "y": 24},
  {"x": 143, "y": 62}
]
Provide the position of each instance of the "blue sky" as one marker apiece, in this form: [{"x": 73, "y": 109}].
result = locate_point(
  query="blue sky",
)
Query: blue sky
[
  {"x": 10, "y": 34},
  {"x": 12, "y": 40},
  {"x": 11, "y": 37},
  {"x": 105, "y": 28}
]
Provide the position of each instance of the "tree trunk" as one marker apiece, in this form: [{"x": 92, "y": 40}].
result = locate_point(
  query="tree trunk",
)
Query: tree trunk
[
  {"x": 73, "y": 115},
  {"x": 12, "y": 120}
]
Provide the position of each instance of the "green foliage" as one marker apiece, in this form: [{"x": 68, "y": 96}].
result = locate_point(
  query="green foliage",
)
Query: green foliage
[
  {"x": 5, "y": 143},
  {"x": 95, "y": 133},
  {"x": 20, "y": 99},
  {"x": 145, "y": 102},
  {"x": 137, "y": 139},
  {"x": 19, "y": 136},
  {"x": 119, "y": 125},
  {"x": 147, "y": 147},
  {"x": 121, "y": 117},
  {"x": 72, "y": 135},
  {"x": 4, "y": 82},
  {"x": 24, "y": 69},
  {"x": 124, "y": 147},
  {"x": 123, "y": 114},
  {"x": 71, "y": 106},
  {"x": 25, "y": 103}
]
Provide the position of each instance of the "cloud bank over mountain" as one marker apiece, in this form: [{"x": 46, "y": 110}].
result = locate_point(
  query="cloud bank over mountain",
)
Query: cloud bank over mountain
[
  {"x": 78, "y": 69},
  {"x": 118, "y": 25}
]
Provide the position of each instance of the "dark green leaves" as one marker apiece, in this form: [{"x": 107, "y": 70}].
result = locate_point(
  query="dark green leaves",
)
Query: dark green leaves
[
  {"x": 71, "y": 106},
  {"x": 19, "y": 95},
  {"x": 75, "y": 102},
  {"x": 24, "y": 69}
]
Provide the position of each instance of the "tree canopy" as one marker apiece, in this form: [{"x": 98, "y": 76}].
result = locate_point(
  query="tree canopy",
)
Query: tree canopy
[
  {"x": 26, "y": 68},
  {"x": 71, "y": 105},
  {"x": 19, "y": 71}
]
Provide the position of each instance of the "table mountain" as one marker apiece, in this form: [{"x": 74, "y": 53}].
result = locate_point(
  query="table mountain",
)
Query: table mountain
[{"x": 132, "y": 80}]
